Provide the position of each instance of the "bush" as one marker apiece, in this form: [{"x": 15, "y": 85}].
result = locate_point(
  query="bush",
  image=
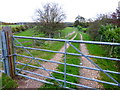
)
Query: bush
[
  {"x": 19, "y": 28},
  {"x": 110, "y": 33},
  {"x": 13, "y": 29},
  {"x": 79, "y": 28},
  {"x": 22, "y": 28}
]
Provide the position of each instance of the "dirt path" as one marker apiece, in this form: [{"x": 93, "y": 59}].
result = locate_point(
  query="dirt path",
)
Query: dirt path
[
  {"x": 86, "y": 72},
  {"x": 69, "y": 34},
  {"x": 52, "y": 66}
]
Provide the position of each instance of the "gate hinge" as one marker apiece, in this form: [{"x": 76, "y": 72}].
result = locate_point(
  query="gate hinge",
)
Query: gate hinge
[{"x": 9, "y": 55}]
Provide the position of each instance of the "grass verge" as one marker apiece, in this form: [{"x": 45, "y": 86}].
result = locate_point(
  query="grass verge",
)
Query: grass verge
[
  {"x": 8, "y": 82},
  {"x": 99, "y": 50}
]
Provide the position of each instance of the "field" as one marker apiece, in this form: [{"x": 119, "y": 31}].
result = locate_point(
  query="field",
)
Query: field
[
  {"x": 104, "y": 64},
  {"x": 30, "y": 32},
  {"x": 96, "y": 50},
  {"x": 47, "y": 45},
  {"x": 10, "y": 25},
  {"x": 70, "y": 69},
  {"x": 50, "y": 45}
]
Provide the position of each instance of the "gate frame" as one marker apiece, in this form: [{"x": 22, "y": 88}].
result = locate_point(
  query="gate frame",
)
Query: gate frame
[{"x": 8, "y": 51}]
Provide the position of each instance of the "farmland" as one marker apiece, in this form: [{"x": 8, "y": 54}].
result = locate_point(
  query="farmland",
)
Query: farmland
[
  {"x": 56, "y": 46},
  {"x": 10, "y": 25},
  {"x": 51, "y": 45},
  {"x": 110, "y": 65},
  {"x": 41, "y": 54},
  {"x": 72, "y": 70}
]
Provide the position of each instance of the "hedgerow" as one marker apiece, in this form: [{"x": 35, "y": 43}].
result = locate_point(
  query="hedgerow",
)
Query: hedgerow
[{"x": 111, "y": 33}]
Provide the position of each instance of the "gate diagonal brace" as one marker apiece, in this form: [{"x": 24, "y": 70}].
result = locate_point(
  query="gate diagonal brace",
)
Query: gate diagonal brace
[
  {"x": 93, "y": 63},
  {"x": 60, "y": 85}
]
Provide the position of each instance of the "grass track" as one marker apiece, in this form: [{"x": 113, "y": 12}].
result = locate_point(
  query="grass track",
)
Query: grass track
[
  {"x": 72, "y": 70},
  {"x": 53, "y": 46},
  {"x": 30, "y": 32},
  {"x": 49, "y": 45},
  {"x": 98, "y": 50}
]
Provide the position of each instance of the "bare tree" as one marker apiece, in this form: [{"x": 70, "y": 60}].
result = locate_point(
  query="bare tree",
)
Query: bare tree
[{"x": 50, "y": 18}]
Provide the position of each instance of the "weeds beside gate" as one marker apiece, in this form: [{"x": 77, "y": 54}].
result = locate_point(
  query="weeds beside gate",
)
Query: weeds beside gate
[{"x": 9, "y": 56}]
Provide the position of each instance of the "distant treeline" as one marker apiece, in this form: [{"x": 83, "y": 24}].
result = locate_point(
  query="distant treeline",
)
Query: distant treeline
[
  {"x": 4, "y": 23},
  {"x": 18, "y": 23}
]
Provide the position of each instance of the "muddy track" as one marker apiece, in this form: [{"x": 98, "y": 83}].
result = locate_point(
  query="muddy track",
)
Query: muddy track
[
  {"x": 86, "y": 72},
  {"x": 52, "y": 66}
]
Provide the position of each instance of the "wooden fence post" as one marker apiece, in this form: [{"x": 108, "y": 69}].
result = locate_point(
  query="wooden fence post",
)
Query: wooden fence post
[{"x": 8, "y": 51}]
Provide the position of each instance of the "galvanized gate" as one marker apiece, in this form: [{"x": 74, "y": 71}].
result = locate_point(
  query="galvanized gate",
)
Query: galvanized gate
[{"x": 9, "y": 56}]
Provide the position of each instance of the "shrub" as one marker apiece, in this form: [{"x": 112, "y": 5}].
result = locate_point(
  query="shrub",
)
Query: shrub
[
  {"x": 22, "y": 28},
  {"x": 13, "y": 30},
  {"x": 110, "y": 33},
  {"x": 79, "y": 28}
]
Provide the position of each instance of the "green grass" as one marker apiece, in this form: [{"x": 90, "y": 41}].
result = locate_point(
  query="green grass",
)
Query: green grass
[
  {"x": 49, "y": 45},
  {"x": 69, "y": 69},
  {"x": 7, "y": 82},
  {"x": 84, "y": 29},
  {"x": 54, "y": 45},
  {"x": 99, "y": 50},
  {"x": 29, "y": 33},
  {"x": 11, "y": 25},
  {"x": 94, "y": 49},
  {"x": 66, "y": 31}
]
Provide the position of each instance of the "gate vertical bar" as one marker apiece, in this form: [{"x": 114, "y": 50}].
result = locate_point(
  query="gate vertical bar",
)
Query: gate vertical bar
[
  {"x": 8, "y": 51},
  {"x": 65, "y": 64},
  {"x": 4, "y": 54},
  {"x": 14, "y": 56}
]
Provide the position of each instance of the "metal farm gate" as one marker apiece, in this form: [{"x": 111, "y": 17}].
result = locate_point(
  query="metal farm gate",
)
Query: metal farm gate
[{"x": 10, "y": 65}]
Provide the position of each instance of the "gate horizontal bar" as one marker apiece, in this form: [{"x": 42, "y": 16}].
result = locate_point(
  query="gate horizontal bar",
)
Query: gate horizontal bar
[
  {"x": 71, "y": 75},
  {"x": 67, "y": 64},
  {"x": 91, "y": 56},
  {"x": 2, "y": 71},
  {"x": 64, "y": 40},
  {"x": 1, "y": 60},
  {"x": 54, "y": 78}
]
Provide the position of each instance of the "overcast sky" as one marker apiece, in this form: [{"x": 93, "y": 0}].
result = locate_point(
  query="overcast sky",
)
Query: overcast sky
[{"x": 23, "y": 10}]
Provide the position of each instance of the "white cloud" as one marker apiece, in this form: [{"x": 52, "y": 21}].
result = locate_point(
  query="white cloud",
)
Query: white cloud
[{"x": 23, "y": 10}]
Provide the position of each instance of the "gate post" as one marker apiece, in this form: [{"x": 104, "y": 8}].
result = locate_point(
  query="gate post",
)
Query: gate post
[{"x": 8, "y": 52}]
